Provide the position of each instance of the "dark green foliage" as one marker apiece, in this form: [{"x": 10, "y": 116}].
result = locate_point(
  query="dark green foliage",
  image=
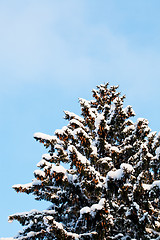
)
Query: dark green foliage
[{"x": 101, "y": 176}]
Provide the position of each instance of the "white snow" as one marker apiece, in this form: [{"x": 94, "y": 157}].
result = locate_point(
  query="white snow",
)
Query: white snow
[
  {"x": 76, "y": 236},
  {"x": 157, "y": 224},
  {"x": 142, "y": 120},
  {"x": 129, "y": 122},
  {"x": 27, "y": 185},
  {"x": 71, "y": 177},
  {"x": 129, "y": 107},
  {"x": 150, "y": 230},
  {"x": 148, "y": 187},
  {"x": 151, "y": 134},
  {"x": 49, "y": 218},
  {"x": 106, "y": 106},
  {"x": 136, "y": 206},
  {"x": 73, "y": 115},
  {"x": 40, "y": 135},
  {"x": 80, "y": 157},
  {"x": 93, "y": 208},
  {"x": 46, "y": 156},
  {"x": 158, "y": 152},
  {"x": 31, "y": 234},
  {"x": 85, "y": 210},
  {"x": 36, "y": 182},
  {"x": 94, "y": 150},
  {"x": 58, "y": 146},
  {"x": 112, "y": 112},
  {"x": 127, "y": 167},
  {"x": 39, "y": 173},
  {"x": 84, "y": 102},
  {"x": 85, "y": 162},
  {"x": 149, "y": 155},
  {"x": 114, "y": 149},
  {"x": 105, "y": 160},
  {"x": 49, "y": 211},
  {"x": 80, "y": 130},
  {"x": 58, "y": 225},
  {"x": 117, "y": 174},
  {"x": 58, "y": 169},
  {"x": 44, "y": 163},
  {"x": 76, "y": 122},
  {"x": 61, "y": 131},
  {"x": 98, "y": 120},
  {"x": 156, "y": 183},
  {"x": 92, "y": 111},
  {"x": 98, "y": 206},
  {"x": 128, "y": 128}
]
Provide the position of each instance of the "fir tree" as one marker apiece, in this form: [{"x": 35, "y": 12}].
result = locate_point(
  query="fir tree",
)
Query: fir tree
[{"x": 110, "y": 187}]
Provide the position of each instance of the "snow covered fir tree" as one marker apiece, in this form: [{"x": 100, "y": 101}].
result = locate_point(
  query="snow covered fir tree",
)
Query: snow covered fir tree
[{"x": 100, "y": 175}]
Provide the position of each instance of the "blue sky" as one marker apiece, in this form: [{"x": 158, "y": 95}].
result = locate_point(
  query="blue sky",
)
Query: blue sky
[{"x": 51, "y": 53}]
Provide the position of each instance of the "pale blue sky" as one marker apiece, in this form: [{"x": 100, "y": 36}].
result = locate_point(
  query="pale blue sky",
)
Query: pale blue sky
[{"x": 51, "y": 53}]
